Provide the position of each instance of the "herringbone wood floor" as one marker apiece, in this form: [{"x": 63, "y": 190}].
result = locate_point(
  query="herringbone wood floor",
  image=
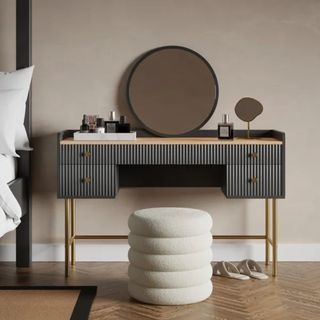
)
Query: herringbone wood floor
[{"x": 295, "y": 294}]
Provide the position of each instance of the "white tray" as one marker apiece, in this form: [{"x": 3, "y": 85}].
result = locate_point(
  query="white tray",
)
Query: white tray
[{"x": 105, "y": 136}]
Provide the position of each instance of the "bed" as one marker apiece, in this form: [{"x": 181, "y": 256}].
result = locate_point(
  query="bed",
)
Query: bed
[
  {"x": 18, "y": 171},
  {"x": 8, "y": 168}
]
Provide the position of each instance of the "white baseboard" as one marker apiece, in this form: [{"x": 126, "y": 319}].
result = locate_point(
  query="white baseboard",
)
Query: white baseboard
[{"x": 232, "y": 251}]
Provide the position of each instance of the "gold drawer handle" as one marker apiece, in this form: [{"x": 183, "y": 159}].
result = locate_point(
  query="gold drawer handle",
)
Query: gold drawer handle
[
  {"x": 87, "y": 154},
  {"x": 253, "y": 180},
  {"x": 86, "y": 180},
  {"x": 253, "y": 155}
]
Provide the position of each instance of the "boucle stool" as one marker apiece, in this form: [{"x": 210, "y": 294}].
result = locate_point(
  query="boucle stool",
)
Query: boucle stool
[{"x": 170, "y": 256}]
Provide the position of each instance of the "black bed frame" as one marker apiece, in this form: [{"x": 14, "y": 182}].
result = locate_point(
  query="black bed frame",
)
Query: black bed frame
[{"x": 21, "y": 186}]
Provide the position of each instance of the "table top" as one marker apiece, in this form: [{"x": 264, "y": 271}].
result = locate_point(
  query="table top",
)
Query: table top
[{"x": 178, "y": 140}]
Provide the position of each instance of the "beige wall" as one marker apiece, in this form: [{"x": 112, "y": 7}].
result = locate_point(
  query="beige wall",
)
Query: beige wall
[
  {"x": 269, "y": 50},
  {"x": 7, "y": 35}
]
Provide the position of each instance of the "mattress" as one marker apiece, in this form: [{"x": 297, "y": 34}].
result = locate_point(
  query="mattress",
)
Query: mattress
[{"x": 8, "y": 168}]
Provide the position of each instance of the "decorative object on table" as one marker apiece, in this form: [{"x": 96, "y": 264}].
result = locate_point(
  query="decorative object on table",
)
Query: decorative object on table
[
  {"x": 172, "y": 91},
  {"x": 117, "y": 136},
  {"x": 84, "y": 128},
  {"x": 170, "y": 256},
  {"x": 105, "y": 130},
  {"x": 92, "y": 121},
  {"x": 111, "y": 125},
  {"x": 123, "y": 125},
  {"x": 100, "y": 126},
  {"x": 225, "y": 128},
  {"x": 247, "y": 109}
]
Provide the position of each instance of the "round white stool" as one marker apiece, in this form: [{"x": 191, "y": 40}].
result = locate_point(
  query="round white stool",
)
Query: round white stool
[{"x": 170, "y": 256}]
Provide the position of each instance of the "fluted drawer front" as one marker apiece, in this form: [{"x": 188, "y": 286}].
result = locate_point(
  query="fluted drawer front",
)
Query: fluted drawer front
[
  {"x": 88, "y": 181},
  {"x": 87, "y": 154},
  {"x": 253, "y": 181},
  {"x": 171, "y": 154},
  {"x": 254, "y": 154}
]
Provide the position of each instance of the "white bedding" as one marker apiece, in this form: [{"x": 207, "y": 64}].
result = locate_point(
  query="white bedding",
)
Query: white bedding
[
  {"x": 10, "y": 210},
  {"x": 8, "y": 168},
  {"x": 6, "y": 223},
  {"x": 14, "y": 88}
]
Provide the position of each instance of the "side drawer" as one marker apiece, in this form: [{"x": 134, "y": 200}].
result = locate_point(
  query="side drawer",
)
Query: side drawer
[
  {"x": 253, "y": 181},
  {"x": 88, "y": 181},
  {"x": 86, "y": 154},
  {"x": 254, "y": 154}
]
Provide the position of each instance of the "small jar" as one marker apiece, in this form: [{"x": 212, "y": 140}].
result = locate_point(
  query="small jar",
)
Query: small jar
[
  {"x": 123, "y": 126},
  {"x": 100, "y": 126}
]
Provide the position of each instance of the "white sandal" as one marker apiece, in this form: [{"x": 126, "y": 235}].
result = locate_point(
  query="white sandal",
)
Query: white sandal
[
  {"x": 250, "y": 268},
  {"x": 228, "y": 270}
]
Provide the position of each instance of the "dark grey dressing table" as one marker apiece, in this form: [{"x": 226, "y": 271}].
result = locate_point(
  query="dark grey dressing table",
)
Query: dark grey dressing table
[{"x": 243, "y": 168}]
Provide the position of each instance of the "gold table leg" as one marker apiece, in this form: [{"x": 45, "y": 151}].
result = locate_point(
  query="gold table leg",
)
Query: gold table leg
[
  {"x": 67, "y": 236},
  {"x": 274, "y": 238},
  {"x": 73, "y": 231},
  {"x": 267, "y": 230}
]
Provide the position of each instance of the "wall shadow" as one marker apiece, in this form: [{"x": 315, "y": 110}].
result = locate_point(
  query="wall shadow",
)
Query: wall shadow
[{"x": 122, "y": 99}]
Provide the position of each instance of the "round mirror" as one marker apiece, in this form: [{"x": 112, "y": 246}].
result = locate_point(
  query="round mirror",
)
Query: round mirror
[{"x": 172, "y": 91}]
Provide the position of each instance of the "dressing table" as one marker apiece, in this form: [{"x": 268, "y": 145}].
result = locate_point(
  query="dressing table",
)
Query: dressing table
[{"x": 243, "y": 168}]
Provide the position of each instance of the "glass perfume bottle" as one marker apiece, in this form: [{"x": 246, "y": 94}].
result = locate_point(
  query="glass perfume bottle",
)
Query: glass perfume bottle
[
  {"x": 92, "y": 122},
  {"x": 123, "y": 125},
  {"x": 225, "y": 128},
  {"x": 84, "y": 128},
  {"x": 100, "y": 126},
  {"x": 111, "y": 125}
]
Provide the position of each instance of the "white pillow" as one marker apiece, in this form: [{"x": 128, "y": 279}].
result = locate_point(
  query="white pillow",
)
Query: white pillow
[
  {"x": 10, "y": 102},
  {"x": 19, "y": 80}
]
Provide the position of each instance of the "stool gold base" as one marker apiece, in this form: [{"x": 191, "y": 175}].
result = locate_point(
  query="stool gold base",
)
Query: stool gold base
[{"x": 71, "y": 236}]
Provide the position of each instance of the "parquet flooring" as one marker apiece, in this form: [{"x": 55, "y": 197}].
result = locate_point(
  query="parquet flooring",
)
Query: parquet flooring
[{"x": 295, "y": 294}]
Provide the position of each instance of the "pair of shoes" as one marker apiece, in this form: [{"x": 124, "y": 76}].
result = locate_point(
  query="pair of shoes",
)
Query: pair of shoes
[{"x": 245, "y": 270}]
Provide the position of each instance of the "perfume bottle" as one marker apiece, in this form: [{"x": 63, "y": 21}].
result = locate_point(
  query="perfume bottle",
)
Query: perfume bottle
[
  {"x": 92, "y": 122},
  {"x": 111, "y": 125},
  {"x": 225, "y": 129},
  {"x": 100, "y": 126},
  {"x": 84, "y": 128},
  {"x": 123, "y": 126}
]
